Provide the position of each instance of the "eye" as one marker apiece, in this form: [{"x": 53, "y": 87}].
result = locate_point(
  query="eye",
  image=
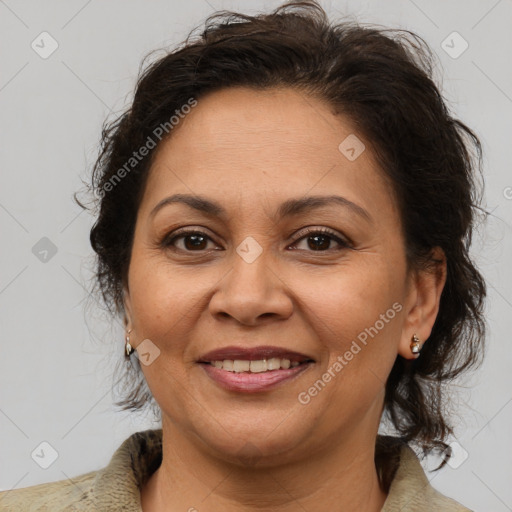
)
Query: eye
[
  {"x": 193, "y": 241},
  {"x": 319, "y": 240}
]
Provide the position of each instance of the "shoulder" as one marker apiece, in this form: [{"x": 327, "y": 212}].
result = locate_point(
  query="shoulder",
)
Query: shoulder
[
  {"x": 63, "y": 495},
  {"x": 411, "y": 490},
  {"x": 114, "y": 487}
]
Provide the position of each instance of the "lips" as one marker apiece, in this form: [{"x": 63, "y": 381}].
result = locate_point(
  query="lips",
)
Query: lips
[{"x": 253, "y": 354}]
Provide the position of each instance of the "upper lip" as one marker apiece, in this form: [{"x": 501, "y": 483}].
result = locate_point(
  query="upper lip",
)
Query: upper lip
[{"x": 253, "y": 354}]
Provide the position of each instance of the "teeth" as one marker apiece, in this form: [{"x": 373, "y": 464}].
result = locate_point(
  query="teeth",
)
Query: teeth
[
  {"x": 241, "y": 366},
  {"x": 258, "y": 366},
  {"x": 274, "y": 363},
  {"x": 262, "y": 365},
  {"x": 227, "y": 365}
]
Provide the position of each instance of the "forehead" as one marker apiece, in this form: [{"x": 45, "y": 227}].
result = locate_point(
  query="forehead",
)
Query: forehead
[
  {"x": 246, "y": 120},
  {"x": 243, "y": 143}
]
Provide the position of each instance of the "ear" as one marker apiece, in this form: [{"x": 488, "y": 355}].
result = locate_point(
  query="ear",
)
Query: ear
[{"x": 422, "y": 303}]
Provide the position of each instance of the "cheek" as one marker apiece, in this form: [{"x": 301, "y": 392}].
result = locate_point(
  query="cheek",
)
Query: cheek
[
  {"x": 357, "y": 318},
  {"x": 345, "y": 303},
  {"x": 156, "y": 295},
  {"x": 167, "y": 301}
]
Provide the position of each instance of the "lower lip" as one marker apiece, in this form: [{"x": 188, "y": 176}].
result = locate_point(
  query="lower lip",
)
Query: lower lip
[{"x": 252, "y": 382}]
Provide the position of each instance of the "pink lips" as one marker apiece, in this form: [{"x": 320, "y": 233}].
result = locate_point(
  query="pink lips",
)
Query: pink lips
[{"x": 253, "y": 382}]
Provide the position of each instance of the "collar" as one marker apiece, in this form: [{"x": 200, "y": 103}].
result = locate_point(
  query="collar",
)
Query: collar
[{"x": 140, "y": 455}]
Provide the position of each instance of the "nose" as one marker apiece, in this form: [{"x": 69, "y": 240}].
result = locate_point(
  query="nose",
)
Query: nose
[{"x": 252, "y": 293}]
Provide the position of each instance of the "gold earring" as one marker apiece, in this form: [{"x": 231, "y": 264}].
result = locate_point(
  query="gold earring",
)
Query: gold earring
[
  {"x": 415, "y": 345},
  {"x": 128, "y": 349}
]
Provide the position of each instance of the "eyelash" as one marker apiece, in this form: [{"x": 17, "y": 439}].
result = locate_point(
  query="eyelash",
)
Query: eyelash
[{"x": 169, "y": 241}]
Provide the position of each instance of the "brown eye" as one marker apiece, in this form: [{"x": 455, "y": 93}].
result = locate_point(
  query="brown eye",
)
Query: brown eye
[
  {"x": 195, "y": 241},
  {"x": 320, "y": 240},
  {"x": 192, "y": 241}
]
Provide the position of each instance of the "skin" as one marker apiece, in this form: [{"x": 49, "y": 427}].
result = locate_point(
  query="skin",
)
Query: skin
[{"x": 222, "y": 450}]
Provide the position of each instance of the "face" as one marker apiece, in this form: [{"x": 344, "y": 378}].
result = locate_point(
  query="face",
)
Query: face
[{"x": 251, "y": 274}]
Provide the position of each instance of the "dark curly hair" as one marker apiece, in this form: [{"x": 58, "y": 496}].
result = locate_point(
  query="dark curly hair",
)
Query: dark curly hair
[{"x": 381, "y": 79}]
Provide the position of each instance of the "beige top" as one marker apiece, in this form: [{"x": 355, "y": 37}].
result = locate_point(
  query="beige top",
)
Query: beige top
[{"x": 117, "y": 486}]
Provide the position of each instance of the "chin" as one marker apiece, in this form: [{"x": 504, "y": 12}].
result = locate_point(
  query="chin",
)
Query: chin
[{"x": 248, "y": 444}]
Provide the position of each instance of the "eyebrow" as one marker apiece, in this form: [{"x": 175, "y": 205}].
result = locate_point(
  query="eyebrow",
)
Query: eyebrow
[{"x": 287, "y": 209}]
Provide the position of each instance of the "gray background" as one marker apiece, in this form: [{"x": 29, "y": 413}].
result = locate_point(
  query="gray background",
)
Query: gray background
[{"x": 57, "y": 356}]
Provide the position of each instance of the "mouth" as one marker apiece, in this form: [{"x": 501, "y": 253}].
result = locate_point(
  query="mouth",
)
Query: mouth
[
  {"x": 253, "y": 370},
  {"x": 254, "y": 360}
]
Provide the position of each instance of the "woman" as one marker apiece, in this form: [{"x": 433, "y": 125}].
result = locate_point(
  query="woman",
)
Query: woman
[{"x": 284, "y": 226}]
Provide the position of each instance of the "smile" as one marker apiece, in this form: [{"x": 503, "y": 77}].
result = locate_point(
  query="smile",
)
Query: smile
[
  {"x": 253, "y": 369},
  {"x": 259, "y": 366},
  {"x": 242, "y": 378}
]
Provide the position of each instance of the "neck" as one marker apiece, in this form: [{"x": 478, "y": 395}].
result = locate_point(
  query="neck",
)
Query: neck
[{"x": 343, "y": 477}]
